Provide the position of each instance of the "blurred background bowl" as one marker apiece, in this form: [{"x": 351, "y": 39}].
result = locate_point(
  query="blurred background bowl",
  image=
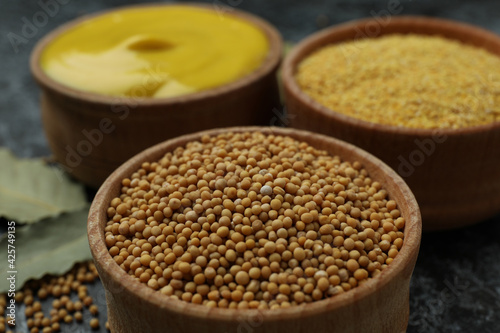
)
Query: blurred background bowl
[
  {"x": 120, "y": 127},
  {"x": 454, "y": 173},
  {"x": 379, "y": 305}
]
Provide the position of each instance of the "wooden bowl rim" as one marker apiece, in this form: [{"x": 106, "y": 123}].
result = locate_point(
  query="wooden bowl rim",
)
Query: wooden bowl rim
[
  {"x": 304, "y": 48},
  {"x": 97, "y": 216},
  {"x": 269, "y": 63}
]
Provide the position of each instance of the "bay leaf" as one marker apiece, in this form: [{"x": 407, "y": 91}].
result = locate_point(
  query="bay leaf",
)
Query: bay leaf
[
  {"x": 52, "y": 246},
  {"x": 31, "y": 190}
]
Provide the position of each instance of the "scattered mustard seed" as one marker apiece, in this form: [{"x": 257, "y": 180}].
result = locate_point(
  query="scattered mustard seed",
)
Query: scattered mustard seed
[
  {"x": 78, "y": 316},
  {"x": 60, "y": 288},
  {"x": 405, "y": 80},
  {"x": 93, "y": 309},
  {"x": 94, "y": 323},
  {"x": 19, "y": 297},
  {"x": 56, "y": 327}
]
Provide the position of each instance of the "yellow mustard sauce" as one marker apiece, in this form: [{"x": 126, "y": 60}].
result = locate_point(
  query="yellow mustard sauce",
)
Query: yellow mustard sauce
[{"x": 161, "y": 51}]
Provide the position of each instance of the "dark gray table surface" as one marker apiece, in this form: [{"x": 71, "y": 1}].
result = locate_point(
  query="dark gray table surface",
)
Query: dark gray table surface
[{"x": 456, "y": 282}]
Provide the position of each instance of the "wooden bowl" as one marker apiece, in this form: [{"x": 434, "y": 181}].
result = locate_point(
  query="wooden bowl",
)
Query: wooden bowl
[
  {"x": 379, "y": 305},
  {"x": 454, "y": 173},
  {"x": 92, "y": 134}
]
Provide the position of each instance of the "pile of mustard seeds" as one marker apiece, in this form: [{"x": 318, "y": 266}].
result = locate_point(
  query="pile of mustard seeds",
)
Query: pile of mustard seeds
[
  {"x": 247, "y": 220},
  {"x": 60, "y": 290},
  {"x": 406, "y": 80}
]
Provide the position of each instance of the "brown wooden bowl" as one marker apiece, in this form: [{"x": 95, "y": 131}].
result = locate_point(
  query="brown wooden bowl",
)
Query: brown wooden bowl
[
  {"x": 379, "y": 305},
  {"x": 92, "y": 134},
  {"x": 454, "y": 173}
]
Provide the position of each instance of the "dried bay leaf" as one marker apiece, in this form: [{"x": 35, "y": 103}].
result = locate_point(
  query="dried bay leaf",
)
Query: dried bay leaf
[
  {"x": 52, "y": 246},
  {"x": 31, "y": 190}
]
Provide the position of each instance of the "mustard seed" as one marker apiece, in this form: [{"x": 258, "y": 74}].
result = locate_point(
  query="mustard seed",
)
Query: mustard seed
[
  {"x": 87, "y": 301},
  {"x": 42, "y": 293},
  {"x": 93, "y": 309},
  {"x": 266, "y": 190},
  {"x": 37, "y": 306},
  {"x": 78, "y": 305},
  {"x": 56, "y": 327},
  {"x": 28, "y": 300},
  {"x": 242, "y": 278},
  {"x": 78, "y": 316},
  {"x": 46, "y": 322},
  {"x": 19, "y": 296},
  {"x": 263, "y": 222},
  {"x": 70, "y": 306},
  {"x": 94, "y": 323},
  {"x": 28, "y": 311},
  {"x": 62, "y": 313}
]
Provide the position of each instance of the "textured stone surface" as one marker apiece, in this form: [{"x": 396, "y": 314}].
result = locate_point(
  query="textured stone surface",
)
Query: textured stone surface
[{"x": 456, "y": 283}]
